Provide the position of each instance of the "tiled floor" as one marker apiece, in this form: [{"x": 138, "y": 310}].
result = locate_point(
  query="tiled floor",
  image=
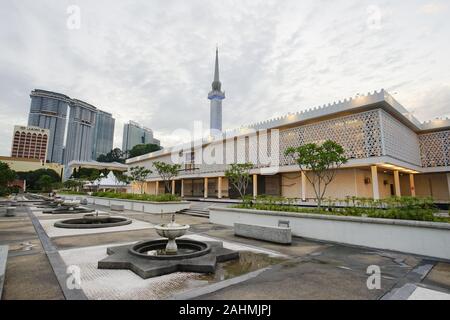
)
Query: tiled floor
[{"x": 306, "y": 269}]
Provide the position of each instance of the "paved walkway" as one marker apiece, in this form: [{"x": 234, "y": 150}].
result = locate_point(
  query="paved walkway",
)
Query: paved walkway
[{"x": 307, "y": 270}]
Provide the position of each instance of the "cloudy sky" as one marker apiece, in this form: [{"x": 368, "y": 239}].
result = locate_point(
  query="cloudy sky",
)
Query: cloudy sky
[{"x": 152, "y": 61}]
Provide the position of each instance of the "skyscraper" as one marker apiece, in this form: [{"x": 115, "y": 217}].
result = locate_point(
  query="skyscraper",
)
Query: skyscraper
[
  {"x": 80, "y": 131},
  {"x": 103, "y": 134},
  {"x": 48, "y": 110},
  {"x": 134, "y": 133},
  {"x": 30, "y": 143},
  {"x": 216, "y": 96}
]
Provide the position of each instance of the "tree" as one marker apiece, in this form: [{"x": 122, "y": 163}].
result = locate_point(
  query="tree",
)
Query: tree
[
  {"x": 115, "y": 155},
  {"x": 139, "y": 175},
  {"x": 45, "y": 183},
  {"x": 6, "y": 176},
  {"x": 73, "y": 184},
  {"x": 141, "y": 149},
  {"x": 121, "y": 177},
  {"x": 239, "y": 176},
  {"x": 86, "y": 175},
  {"x": 167, "y": 172},
  {"x": 322, "y": 160},
  {"x": 93, "y": 176},
  {"x": 32, "y": 177}
]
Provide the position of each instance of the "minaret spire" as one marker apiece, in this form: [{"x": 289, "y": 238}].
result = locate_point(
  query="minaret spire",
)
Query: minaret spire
[
  {"x": 216, "y": 83},
  {"x": 216, "y": 96}
]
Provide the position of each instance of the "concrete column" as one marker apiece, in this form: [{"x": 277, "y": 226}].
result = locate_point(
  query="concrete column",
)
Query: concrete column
[
  {"x": 255, "y": 186},
  {"x": 412, "y": 186},
  {"x": 303, "y": 186},
  {"x": 397, "y": 183},
  {"x": 206, "y": 188},
  {"x": 448, "y": 183},
  {"x": 182, "y": 188},
  {"x": 219, "y": 187},
  {"x": 375, "y": 188},
  {"x": 157, "y": 187},
  {"x": 173, "y": 186}
]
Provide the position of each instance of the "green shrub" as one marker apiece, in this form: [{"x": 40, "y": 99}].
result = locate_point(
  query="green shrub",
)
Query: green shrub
[
  {"x": 404, "y": 208},
  {"x": 139, "y": 197}
]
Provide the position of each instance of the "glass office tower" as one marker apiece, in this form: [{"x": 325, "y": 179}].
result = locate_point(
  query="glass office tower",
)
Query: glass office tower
[
  {"x": 103, "y": 134},
  {"x": 134, "y": 133},
  {"x": 48, "y": 110},
  {"x": 80, "y": 131}
]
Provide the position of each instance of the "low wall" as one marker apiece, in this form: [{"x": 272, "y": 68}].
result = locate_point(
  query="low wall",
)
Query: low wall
[
  {"x": 3, "y": 259},
  {"x": 430, "y": 239},
  {"x": 135, "y": 205},
  {"x": 271, "y": 234}
]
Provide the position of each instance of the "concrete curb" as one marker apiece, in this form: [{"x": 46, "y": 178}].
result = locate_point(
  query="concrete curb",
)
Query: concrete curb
[{"x": 57, "y": 263}]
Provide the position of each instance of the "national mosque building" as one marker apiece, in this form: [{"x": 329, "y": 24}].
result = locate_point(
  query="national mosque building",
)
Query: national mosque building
[{"x": 389, "y": 151}]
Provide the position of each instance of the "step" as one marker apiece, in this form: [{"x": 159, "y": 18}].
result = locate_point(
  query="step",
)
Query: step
[{"x": 197, "y": 211}]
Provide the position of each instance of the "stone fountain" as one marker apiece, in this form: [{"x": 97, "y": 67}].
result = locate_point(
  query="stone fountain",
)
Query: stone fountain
[
  {"x": 171, "y": 231},
  {"x": 68, "y": 207},
  {"x": 151, "y": 258}
]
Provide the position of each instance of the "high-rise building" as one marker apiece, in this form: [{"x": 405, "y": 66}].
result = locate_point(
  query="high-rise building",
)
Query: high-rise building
[
  {"x": 134, "y": 133},
  {"x": 80, "y": 131},
  {"x": 103, "y": 134},
  {"x": 89, "y": 133},
  {"x": 216, "y": 96},
  {"x": 30, "y": 143},
  {"x": 48, "y": 110}
]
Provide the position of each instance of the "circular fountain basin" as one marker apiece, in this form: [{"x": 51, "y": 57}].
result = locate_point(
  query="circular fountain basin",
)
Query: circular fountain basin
[
  {"x": 156, "y": 249},
  {"x": 92, "y": 222}
]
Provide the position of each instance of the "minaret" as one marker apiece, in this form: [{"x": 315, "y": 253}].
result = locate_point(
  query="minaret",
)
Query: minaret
[{"x": 216, "y": 96}]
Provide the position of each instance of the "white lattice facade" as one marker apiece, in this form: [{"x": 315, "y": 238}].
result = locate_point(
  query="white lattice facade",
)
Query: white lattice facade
[
  {"x": 359, "y": 134},
  {"x": 435, "y": 149}
]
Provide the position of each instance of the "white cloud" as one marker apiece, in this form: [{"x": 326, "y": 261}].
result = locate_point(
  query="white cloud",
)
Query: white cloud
[
  {"x": 152, "y": 62},
  {"x": 433, "y": 8}
]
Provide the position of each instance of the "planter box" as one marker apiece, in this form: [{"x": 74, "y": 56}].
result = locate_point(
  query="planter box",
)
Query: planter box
[
  {"x": 135, "y": 205},
  {"x": 430, "y": 239}
]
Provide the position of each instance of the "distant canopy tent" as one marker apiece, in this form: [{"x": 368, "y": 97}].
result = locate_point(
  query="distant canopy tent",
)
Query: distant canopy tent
[{"x": 107, "y": 182}]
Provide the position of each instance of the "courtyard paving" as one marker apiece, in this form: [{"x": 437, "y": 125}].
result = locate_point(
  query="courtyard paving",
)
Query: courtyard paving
[{"x": 40, "y": 254}]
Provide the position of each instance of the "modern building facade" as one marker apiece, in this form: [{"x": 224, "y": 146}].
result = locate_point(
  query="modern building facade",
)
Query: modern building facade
[
  {"x": 216, "y": 96},
  {"x": 80, "y": 131},
  {"x": 48, "y": 110},
  {"x": 390, "y": 153},
  {"x": 134, "y": 134},
  {"x": 103, "y": 134},
  {"x": 30, "y": 143}
]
